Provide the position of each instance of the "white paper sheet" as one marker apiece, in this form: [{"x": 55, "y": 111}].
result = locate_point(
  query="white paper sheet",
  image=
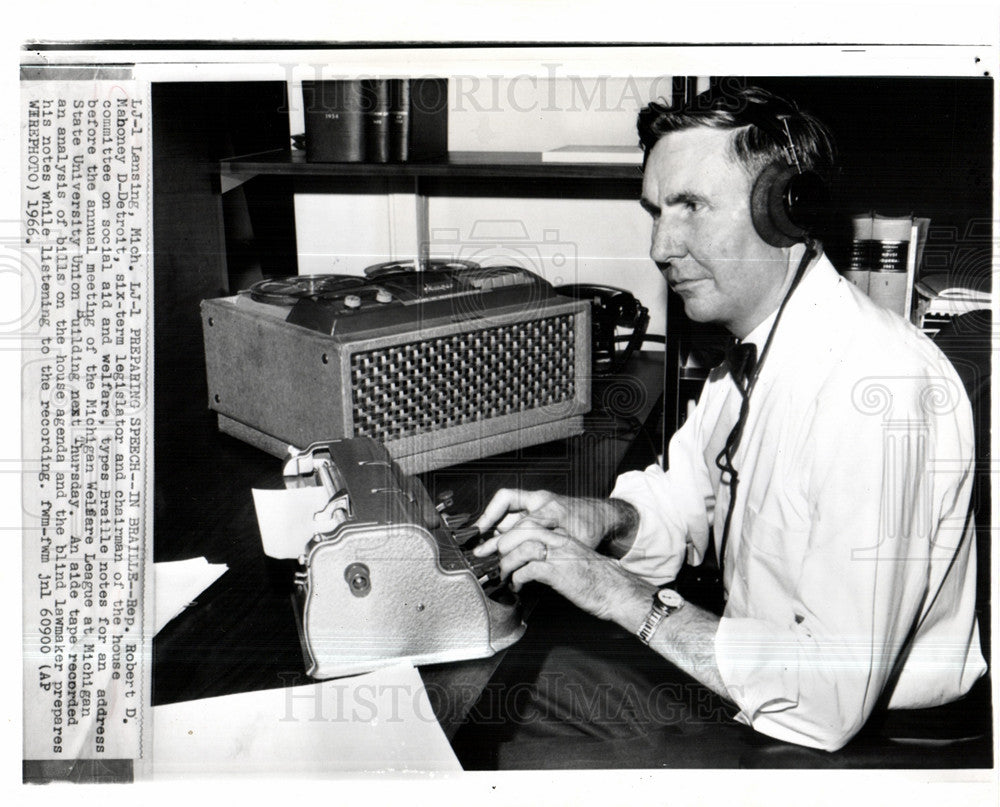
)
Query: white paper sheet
[
  {"x": 178, "y": 582},
  {"x": 285, "y": 518},
  {"x": 381, "y": 721}
]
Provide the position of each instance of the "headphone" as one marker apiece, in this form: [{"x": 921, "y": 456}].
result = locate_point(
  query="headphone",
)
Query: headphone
[{"x": 787, "y": 202}]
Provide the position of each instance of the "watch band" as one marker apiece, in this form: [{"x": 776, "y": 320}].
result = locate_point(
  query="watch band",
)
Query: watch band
[{"x": 666, "y": 601}]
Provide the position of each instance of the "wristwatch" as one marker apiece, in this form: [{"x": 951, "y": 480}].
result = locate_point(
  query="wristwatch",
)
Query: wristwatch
[{"x": 666, "y": 601}]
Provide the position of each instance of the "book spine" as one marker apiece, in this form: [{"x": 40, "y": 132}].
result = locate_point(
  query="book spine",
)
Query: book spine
[
  {"x": 862, "y": 247},
  {"x": 376, "y": 106},
  {"x": 891, "y": 256},
  {"x": 399, "y": 120},
  {"x": 911, "y": 270},
  {"x": 334, "y": 121},
  {"x": 889, "y": 280},
  {"x": 428, "y": 118},
  {"x": 888, "y": 289}
]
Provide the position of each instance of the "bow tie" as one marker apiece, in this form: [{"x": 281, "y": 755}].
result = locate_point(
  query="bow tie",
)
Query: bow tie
[{"x": 741, "y": 361}]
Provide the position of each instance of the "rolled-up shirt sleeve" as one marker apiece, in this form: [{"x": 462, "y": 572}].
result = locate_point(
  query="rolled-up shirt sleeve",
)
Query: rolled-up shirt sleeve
[
  {"x": 674, "y": 506},
  {"x": 821, "y": 607}
]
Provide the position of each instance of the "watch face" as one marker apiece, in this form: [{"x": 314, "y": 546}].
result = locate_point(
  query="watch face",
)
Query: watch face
[{"x": 669, "y": 598}]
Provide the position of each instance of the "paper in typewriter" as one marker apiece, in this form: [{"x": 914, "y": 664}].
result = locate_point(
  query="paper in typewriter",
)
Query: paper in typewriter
[{"x": 286, "y": 519}]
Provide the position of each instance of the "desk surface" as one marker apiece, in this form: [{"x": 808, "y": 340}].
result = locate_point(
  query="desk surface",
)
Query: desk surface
[{"x": 241, "y": 634}]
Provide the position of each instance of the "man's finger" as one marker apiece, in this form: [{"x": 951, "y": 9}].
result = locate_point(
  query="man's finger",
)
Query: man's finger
[
  {"x": 521, "y": 520},
  {"x": 532, "y": 571},
  {"x": 509, "y": 521},
  {"x": 527, "y": 529},
  {"x": 503, "y": 501},
  {"x": 527, "y": 552},
  {"x": 487, "y": 547},
  {"x": 512, "y": 500}
]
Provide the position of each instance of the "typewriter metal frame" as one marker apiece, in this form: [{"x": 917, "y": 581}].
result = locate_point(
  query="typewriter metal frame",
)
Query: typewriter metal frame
[{"x": 383, "y": 579}]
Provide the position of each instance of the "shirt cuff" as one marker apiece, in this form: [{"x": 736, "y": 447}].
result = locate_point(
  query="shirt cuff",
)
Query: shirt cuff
[
  {"x": 658, "y": 551},
  {"x": 759, "y": 667},
  {"x": 782, "y": 690}
]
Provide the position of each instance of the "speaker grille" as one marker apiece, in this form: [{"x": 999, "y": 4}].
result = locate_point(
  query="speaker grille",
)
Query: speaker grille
[{"x": 424, "y": 386}]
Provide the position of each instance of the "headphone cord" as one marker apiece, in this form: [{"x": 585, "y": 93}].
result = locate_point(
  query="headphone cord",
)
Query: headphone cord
[{"x": 724, "y": 461}]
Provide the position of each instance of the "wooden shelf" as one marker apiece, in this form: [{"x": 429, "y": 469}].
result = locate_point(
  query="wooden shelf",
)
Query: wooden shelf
[{"x": 460, "y": 164}]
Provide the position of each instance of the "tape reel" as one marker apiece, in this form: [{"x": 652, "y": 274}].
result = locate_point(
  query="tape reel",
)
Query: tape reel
[
  {"x": 289, "y": 290},
  {"x": 430, "y": 265}
]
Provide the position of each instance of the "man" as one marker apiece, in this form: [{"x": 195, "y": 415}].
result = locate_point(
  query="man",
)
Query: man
[{"x": 832, "y": 482}]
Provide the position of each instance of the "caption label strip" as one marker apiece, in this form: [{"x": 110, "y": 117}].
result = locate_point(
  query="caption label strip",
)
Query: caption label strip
[{"x": 86, "y": 417}]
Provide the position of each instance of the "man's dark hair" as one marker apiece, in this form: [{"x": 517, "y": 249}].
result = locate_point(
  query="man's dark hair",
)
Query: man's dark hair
[{"x": 757, "y": 118}]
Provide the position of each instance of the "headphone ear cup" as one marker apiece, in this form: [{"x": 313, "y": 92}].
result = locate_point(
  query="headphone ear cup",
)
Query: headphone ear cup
[{"x": 769, "y": 206}]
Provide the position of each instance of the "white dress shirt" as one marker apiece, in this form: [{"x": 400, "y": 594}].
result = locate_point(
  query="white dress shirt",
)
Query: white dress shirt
[{"x": 851, "y": 556}]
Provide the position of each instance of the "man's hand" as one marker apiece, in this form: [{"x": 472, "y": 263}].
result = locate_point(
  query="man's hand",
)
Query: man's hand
[
  {"x": 588, "y": 521},
  {"x": 531, "y": 550},
  {"x": 549, "y": 538}
]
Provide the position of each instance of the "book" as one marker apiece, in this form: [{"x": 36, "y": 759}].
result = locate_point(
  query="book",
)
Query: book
[
  {"x": 861, "y": 251},
  {"x": 891, "y": 242},
  {"x": 428, "y": 112},
  {"x": 620, "y": 155},
  {"x": 885, "y": 252},
  {"x": 334, "y": 120},
  {"x": 918, "y": 239},
  {"x": 889, "y": 282},
  {"x": 399, "y": 119},
  {"x": 376, "y": 107},
  {"x": 375, "y": 120}
]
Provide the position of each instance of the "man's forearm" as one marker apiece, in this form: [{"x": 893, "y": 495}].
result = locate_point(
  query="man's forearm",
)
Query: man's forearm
[{"x": 686, "y": 638}]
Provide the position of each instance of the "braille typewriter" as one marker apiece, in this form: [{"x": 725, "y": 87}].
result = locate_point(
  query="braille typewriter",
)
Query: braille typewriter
[
  {"x": 442, "y": 362},
  {"x": 387, "y": 576}
]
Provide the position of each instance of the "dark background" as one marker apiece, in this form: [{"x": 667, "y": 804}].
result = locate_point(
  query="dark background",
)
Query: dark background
[{"x": 920, "y": 146}]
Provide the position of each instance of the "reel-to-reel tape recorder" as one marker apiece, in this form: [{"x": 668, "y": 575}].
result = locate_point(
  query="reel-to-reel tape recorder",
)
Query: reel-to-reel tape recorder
[{"x": 441, "y": 362}]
